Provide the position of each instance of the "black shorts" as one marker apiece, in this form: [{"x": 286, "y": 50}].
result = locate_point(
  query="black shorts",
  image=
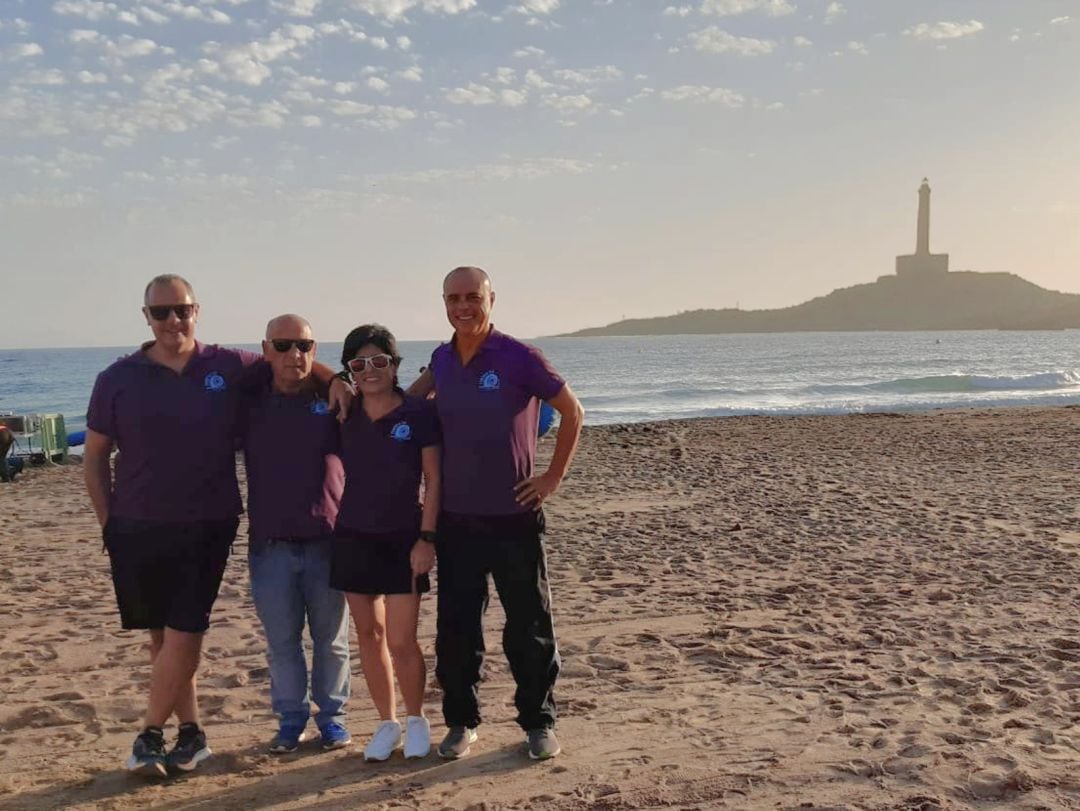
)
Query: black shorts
[
  {"x": 167, "y": 574},
  {"x": 375, "y": 563}
]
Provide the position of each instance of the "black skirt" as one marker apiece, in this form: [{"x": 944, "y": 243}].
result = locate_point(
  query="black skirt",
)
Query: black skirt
[{"x": 374, "y": 562}]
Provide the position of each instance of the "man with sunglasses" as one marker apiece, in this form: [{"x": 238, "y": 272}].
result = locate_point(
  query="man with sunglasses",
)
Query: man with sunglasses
[
  {"x": 488, "y": 391},
  {"x": 295, "y": 480},
  {"x": 169, "y": 516}
]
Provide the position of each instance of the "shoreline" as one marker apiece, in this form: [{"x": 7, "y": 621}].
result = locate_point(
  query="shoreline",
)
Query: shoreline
[
  {"x": 863, "y": 611},
  {"x": 893, "y": 412}
]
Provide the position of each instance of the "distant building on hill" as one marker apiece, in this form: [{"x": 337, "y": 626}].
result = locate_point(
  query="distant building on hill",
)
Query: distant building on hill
[{"x": 922, "y": 263}]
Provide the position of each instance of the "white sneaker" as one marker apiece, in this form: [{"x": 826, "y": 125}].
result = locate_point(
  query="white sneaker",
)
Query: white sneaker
[
  {"x": 417, "y": 737},
  {"x": 386, "y": 739}
]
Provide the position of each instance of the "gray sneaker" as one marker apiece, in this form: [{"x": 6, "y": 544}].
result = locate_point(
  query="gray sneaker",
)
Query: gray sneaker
[
  {"x": 457, "y": 742},
  {"x": 543, "y": 744}
]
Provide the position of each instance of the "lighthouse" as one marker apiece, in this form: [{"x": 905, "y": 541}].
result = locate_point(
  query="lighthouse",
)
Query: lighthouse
[{"x": 923, "y": 263}]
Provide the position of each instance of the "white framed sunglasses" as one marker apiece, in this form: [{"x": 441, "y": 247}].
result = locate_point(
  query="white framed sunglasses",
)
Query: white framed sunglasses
[{"x": 358, "y": 365}]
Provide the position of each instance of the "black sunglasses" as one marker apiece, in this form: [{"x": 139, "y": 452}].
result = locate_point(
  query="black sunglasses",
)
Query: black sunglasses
[
  {"x": 159, "y": 312},
  {"x": 284, "y": 345}
]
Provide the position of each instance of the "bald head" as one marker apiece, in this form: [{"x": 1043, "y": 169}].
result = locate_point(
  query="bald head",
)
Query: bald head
[
  {"x": 290, "y": 350},
  {"x": 469, "y": 298},
  {"x": 473, "y": 274},
  {"x": 288, "y": 326}
]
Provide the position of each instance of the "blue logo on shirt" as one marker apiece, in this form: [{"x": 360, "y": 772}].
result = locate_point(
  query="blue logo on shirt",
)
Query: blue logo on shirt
[
  {"x": 320, "y": 408},
  {"x": 401, "y": 432},
  {"x": 214, "y": 382},
  {"x": 489, "y": 381}
]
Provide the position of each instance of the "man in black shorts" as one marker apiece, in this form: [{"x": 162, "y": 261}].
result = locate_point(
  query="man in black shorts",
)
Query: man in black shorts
[{"x": 170, "y": 512}]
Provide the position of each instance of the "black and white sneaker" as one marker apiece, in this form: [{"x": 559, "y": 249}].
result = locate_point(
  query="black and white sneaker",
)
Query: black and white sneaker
[
  {"x": 190, "y": 749},
  {"x": 148, "y": 754}
]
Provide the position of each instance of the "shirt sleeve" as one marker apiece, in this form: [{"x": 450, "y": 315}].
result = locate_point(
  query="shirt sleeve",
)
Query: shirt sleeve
[
  {"x": 332, "y": 438},
  {"x": 254, "y": 372},
  {"x": 245, "y": 412},
  {"x": 247, "y": 357},
  {"x": 101, "y": 413},
  {"x": 541, "y": 379},
  {"x": 428, "y": 422}
]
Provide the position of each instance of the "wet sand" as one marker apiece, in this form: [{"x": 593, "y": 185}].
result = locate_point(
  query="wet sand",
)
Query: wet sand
[{"x": 877, "y": 612}]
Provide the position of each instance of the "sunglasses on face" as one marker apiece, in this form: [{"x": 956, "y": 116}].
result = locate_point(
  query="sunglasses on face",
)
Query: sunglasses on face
[
  {"x": 284, "y": 345},
  {"x": 358, "y": 365},
  {"x": 160, "y": 312}
]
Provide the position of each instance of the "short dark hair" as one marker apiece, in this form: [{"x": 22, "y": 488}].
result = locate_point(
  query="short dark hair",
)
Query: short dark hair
[
  {"x": 366, "y": 334},
  {"x": 168, "y": 278}
]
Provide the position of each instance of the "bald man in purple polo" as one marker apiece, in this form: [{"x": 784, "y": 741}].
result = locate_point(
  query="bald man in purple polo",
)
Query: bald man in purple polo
[
  {"x": 295, "y": 480},
  {"x": 170, "y": 513},
  {"x": 488, "y": 391}
]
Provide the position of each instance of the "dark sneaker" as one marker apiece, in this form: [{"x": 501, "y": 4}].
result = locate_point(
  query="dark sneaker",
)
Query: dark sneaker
[
  {"x": 457, "y": 742},
  {"x": 148, "y": 753},
  {"x": 334, "y": 736},
  {"x": 543, "y": 744},
  {"x": 287, "y": 740},
  {"x": 190, "y": 749}
]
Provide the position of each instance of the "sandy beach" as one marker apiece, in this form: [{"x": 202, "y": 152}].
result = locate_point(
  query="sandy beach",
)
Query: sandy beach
[{"x": 844, "y": 612}]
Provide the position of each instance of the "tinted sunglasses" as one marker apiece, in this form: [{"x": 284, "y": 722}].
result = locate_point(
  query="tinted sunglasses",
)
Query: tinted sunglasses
[
  {"x": 284, "y": 345},
  {"x": 160, "y": 312},
  {"x": 376, "y": 361}
]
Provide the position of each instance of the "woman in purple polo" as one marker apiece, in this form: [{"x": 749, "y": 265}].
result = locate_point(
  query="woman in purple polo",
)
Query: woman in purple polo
[{"x": 384, "y": 543}]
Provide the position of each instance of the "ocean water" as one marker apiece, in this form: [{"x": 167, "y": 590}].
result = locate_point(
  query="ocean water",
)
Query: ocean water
[{"x": 634, "y": 379}]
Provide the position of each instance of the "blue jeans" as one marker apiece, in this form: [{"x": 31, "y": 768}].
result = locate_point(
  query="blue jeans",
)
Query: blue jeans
[{"x": 290, "y": 581}]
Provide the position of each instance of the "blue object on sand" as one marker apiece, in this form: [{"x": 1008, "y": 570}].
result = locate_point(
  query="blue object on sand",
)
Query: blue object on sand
[
  {"x": 76, "y": 439},
  {"x": 547, "y": 419}
]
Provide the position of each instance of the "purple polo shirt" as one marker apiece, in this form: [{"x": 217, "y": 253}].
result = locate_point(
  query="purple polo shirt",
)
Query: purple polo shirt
[
  {"x": 294, "y": 475},
  {"x": 383, "y": 466},
  {"x": 489, "y": 412},
  {"x": 175, "y": 433}
]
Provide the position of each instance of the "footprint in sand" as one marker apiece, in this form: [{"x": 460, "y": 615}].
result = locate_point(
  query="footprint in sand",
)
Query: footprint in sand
[
  {"x": 39, "y": 717},
  {"x": 602, "y": 662}
]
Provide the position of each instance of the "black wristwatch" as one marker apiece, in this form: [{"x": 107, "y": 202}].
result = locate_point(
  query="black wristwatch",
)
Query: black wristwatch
[{"x": 427, "y": 535}]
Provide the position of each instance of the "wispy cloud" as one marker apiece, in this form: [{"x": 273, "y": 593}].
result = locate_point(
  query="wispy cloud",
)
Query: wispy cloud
[
  {"x": 250, "y": 63},
  {"x": 22, "y": 50},
  {"x": 537, "y": 7},
  {"x": 944, "y": 30},
  {"x": 704, "y": 93},
  {"x": 716, "y": 40},
  {"x": 296, "y": 8},
  {"x": 397, "y": 9},
  {"x": 732, "y": 8}
]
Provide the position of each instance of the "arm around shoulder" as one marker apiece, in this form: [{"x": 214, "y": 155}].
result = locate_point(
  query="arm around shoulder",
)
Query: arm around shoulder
[{"x": 423, "y": 386}]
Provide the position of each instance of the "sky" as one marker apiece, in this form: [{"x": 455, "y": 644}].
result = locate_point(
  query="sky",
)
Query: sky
[{"x": 600, "y": 158}]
